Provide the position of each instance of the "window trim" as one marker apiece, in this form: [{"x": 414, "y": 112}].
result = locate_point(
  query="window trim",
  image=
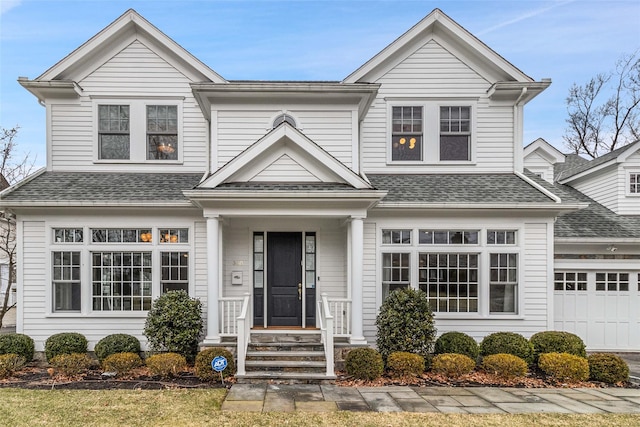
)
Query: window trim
[{"x": 628, "y": 191}]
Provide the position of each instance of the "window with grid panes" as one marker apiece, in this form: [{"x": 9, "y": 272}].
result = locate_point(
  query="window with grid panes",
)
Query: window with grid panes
[
  {"x": 455, "y": 133},
  {"x": 66, "y": 282},
  {"x": 121, "y": 281},
  {"x": 162, "y": 132},
  {"x": 612, "y": 282},
  {"x": 396, "y": 272},
  {"x": 406, "y": 133},
  {"x": 570, "y": 281},
  {"x": 113, "y": 132},
  {"x": 450, "y": 281},
  {"x": 634, "y": 183},
  {"x": 174, "y": 271},
  {"x": 503, "y": 283}
]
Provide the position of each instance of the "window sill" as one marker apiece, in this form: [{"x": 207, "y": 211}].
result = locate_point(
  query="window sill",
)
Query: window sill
[
  {"x": 137, "y": 162},
  {"x": 97, "y": 315},
  {"x": 472, "y": 316},
  {"x": 439, "y": 163}
]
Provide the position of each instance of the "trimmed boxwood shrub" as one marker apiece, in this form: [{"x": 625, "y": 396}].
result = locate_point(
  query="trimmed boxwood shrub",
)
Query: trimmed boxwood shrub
[
  {"x": 405, "y": 323},
  {"x": 452, "y": 365},
  {"x": 166, "y": 364},
  {"x": 509, "y": 343},
  {"x": 10, "y": 363},
  {"x": 557, "y": 342},
  {"x": 364, "y": 363},
  {"x": 116, "y": 343},
  {"x": 401, "y": 364},
  {"x": 457, "y": 342},
  {"x": 505, "y": 365},
  {"x": 203, "y": 369},
  {"x": 65, "y": 343},
  {"x": 608, "y": 368},
  {"x": 174, "y": 324},
  {"x": 19, "y": 344},
  {"x": 564, "y": 366},
  {"x": 121, "y": 363},
  {"x": 72, "y": 364}
]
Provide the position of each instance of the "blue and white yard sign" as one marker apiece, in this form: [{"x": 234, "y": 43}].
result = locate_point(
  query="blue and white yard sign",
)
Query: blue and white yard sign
[{"x": 219, "y": 363}]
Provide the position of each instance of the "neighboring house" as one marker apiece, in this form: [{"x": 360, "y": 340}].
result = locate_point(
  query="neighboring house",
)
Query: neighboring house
[
  {"x": 7, "y": 240},
  {"x": 264, "y": 199},
  {"x": 597, "y": 249}
]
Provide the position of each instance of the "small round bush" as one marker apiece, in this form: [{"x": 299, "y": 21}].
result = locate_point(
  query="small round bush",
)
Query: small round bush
[
  {"x": 166, "y": 365},
  {"x": 19, "y": 344},
  {"x": 64, "y": 343},
  {"x": 402, "y": 364},
  {"x": 505, "y": 365},
  {"x": 10, "y": 363},
  {"x": 564, "y": 366},
  {"x": 509, "y": 343},
  {"x": 174, "y": 324},
  {"x": 202, "y": 366},
  {"x": 116, "y": 343},
  {"x": 405, "y": 323},
  {"x": 457, "y": 342},
  {"x": 364, "y": 363},
  {"x": 557, "y": 342},
  {"x": 452, "y": 365},
  {"x": 72, "y": 364},
  {"x": 121, "y": 363},
  {"x": 608, "y": 368}
]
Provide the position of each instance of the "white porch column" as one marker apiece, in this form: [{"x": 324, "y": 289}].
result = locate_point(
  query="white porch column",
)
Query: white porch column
[
  {"x": 213, "y": 280},
  {"x": 357, "y": 259}
]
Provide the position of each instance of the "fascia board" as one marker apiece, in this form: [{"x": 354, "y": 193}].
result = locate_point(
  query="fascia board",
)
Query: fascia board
[
  {"x": 550, "y": 207},
  {"x": 597, "y": 240},
  {"x": 633, "y": 148},
  {"x": 552, "y": 153},
  {"x": 282, "y": 195},
  {"x": 17, "y": 185},
  {"x": 86, "y": 203},
  {"x": 538, "y": 187}
]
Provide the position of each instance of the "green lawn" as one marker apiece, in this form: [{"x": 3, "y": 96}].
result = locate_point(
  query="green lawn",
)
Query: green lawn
[{"x": 202, "y": 407}]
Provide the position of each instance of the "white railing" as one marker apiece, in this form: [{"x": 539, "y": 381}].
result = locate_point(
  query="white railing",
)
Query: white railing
[
  {"x": 244, "y": 331},
  {"x": 326, "y": 332},
  {"x": 230, "y": 309},
  {"x": 341, "y": 311}
]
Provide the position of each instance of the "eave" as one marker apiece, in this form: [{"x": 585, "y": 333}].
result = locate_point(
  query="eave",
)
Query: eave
[
  {"x": 596, "y": 240},
  {"x": 93, "y": 204},
  {"x": 52, "y": 89},
  {"x": 522, "y": 92},
  {"x": 530, "y": 207}
]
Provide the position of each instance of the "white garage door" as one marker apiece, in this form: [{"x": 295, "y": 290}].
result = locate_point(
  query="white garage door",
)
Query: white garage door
[{"x": 602, "y": 307}]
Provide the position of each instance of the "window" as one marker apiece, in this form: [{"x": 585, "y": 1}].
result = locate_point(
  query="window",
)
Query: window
[
  {"x": 396, "y": 237},
  {"x": 121, "y": 281},
  {"x": 113, "y": 132},
  {"x": 455, "y": 133},
  {"x": 67, "y": 235},
  {"x": 503, "y": 278},
  {"x": 612, "y": 282},
  {"x": 570, "y": 281},
  {"x": 310, "y": 260},
  {"x": 284, "y": 118},
  {"x": 448, "y": 237},
  {"x": 396, "y": 269},
  {"x": 258, "y": 260},
  {"x": 406, "y": 133},
  {"x": 450, "y": 281},
  {"x": 634, "y": 183},
  {"x": 162, "y": 132},
  {"x": 174, "y": 235},
  {"x": 65, "y": 267},
  {"x": 175, "y": 271},
  {"x": 501, "y": 237},
  {"x": 121, "y": 235}
]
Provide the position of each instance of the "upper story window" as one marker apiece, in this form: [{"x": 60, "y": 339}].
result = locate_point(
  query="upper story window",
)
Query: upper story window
[
  {"x": 634, "y": 183},
  {"x": 396, "y": 237},
  {"x": 501, "y": 237},
  {"x": 406, "y": 133},
  {"x": 113, "y": 132},
  {"x": 162, "y": 132},
  {"x": 448, "y": 237},
  {"x": 455, "y": 133}
]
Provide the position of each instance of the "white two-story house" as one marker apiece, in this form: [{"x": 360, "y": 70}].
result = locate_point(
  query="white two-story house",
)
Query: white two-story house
[{"x": 285, "y": 205}]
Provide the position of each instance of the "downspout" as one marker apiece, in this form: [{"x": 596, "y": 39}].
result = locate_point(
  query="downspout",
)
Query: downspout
[{"x": 517, "y": 134}]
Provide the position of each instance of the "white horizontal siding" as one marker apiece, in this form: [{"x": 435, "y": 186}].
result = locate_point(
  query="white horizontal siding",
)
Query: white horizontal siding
[
  {"x": 285, "y": 169},
  {"x": 601, "y": 187},
  {"x": 628, "y": 204},
  {"x": 370, "y": 285},
  {"x": 539, "y": 165},
  {"x": 433, "y": 73},
  {"x": 134, "y": 72}
]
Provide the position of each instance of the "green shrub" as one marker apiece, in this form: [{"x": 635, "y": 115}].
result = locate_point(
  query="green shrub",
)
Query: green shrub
[
  {"x": 174, "y": 324},
  {"x": 364, "y": 363},
  {"x": 64, "y": 343},
  {"x": 19, "y": 344},
  {"x": 202, "y": 366},
  {"x": 10, "y": 363},
  {"x": 564, "y": 366},
  {"x": 402, "y": 364},
  {"x": 116, "y": 343},
  {"x": 608, "y": 368},
  {"x": 121, "y": 363},
  {"x": 505, "y": 365},
  {"x": 72, "y": 364},
  {"x": 166, "y": 364},
  {"x": 405, "y": 323},
  {"x": 509, "y": 343},
  {"x": 557, "y": 342},
  {"x": 457, "y": 342},
  {"x": 452, "y": 365}
]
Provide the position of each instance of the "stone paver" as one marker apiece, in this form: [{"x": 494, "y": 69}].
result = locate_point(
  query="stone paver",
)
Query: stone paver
[
  {"x": 242, "y": 405},
  {"x": 274, "y": 402},
  {"x": 471, "y": 401},
  {"x": 483, "y": 410},
  {"x": 495, "y": 395},
  {"x": 334, "y": 393},
  {"x": 247, "y": 392},
  {"x": 572, "y": 404},
  {"x": 451, "y": 410},
  {"x": 527, "y": 408},
  {"x": 415, "y": 405},
  {"x": 442, "y": 400},
  {"x": 316, "y": 406},
  {"x": 361, "y": 406},
  {"x": 618, "y": 406},
  {"x": 381, "y": 402}
]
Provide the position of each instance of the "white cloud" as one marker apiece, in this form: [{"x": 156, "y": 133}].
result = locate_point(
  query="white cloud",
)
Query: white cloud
[
  {"x": 7, "y": 5},
  {"x": 522, "y": 17}
]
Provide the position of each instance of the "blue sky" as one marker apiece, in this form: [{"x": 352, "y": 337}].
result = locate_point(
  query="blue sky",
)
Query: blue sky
[{"x": 567, "y": 41}]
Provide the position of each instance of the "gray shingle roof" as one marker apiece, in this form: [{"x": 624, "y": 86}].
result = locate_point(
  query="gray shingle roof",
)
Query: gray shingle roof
[
  {"x": 582, "y": 166},
  {"x": 104, "y": 187},
  {"x": 284, "y": 186},
  {"x": 458, "y": 188}
]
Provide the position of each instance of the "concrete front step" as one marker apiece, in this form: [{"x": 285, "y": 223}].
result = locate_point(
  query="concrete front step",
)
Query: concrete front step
[
  {"x": 288, "y": 355},
  {"x": 285, "y": 378},
  {"x": 285, "y": 347},
  {"x": 285, "y": 337}
]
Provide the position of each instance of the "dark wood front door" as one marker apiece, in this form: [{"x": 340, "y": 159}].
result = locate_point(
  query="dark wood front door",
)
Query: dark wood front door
[{"x": 284, "y": 279}]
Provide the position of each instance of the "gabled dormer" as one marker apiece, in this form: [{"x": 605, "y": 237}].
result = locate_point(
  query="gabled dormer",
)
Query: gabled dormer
[
  {"x": 447, "y": 104},
  {"x": 123, "y": 101},
  {"x": 541, "y": 158}
]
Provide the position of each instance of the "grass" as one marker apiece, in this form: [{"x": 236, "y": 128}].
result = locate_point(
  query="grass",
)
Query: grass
[{"x": 20, "y": 407}]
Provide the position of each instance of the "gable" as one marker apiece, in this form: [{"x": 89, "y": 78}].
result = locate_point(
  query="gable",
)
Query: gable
[{"x": 284, "y": 168}]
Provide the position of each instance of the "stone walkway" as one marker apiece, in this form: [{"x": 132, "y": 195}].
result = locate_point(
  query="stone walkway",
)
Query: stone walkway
[{"x": 471, "y": 400}]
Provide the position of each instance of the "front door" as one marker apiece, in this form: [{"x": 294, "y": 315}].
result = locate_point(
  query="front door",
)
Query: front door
[{"x": 284, "y": 279}]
